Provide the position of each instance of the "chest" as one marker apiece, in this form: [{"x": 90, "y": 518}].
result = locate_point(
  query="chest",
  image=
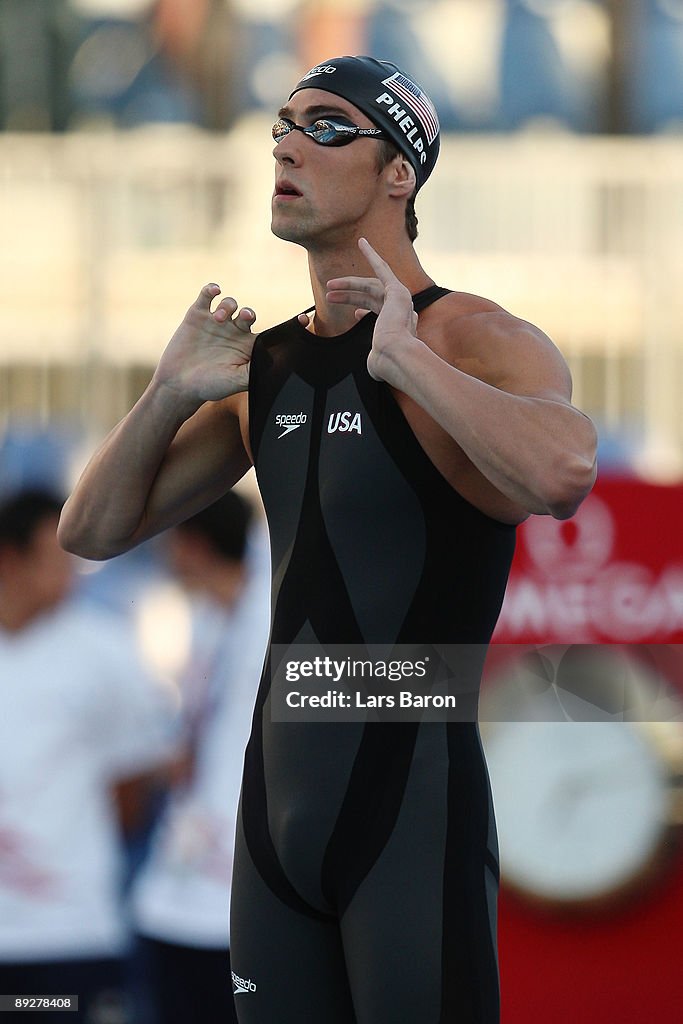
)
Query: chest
[{"x": 333, "y": 442}]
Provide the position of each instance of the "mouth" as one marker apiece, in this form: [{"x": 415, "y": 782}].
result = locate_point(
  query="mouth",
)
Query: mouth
[{"x": 285, "y": 190}]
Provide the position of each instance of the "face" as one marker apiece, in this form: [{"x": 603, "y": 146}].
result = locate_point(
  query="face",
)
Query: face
[
  {"x": 201, "y": 570},
  {"x": 190, "y": 558},
  {"x": 42, "y": 573},
  {"x": 323, "y": 194}
]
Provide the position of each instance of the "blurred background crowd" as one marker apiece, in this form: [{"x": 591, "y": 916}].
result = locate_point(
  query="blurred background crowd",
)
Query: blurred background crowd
[
  {"x": 135, "y": 156},
  {"x": 592, "y": 65},
  {"x": 136, "y": 163}
]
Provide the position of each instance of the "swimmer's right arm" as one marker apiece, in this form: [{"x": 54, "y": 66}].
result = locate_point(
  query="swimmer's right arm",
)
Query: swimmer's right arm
[{"x": 179, "y": 448}]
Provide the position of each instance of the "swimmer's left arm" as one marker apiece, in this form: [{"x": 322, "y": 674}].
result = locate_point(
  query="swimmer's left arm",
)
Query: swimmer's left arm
[{"x": 520, "y": 429}]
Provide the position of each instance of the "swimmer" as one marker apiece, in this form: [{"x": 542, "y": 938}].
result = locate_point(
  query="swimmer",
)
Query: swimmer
[{"x": 400, "y": 431}]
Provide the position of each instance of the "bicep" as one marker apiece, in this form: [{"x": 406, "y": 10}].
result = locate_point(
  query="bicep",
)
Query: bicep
[{"x": 538, "y": 372}]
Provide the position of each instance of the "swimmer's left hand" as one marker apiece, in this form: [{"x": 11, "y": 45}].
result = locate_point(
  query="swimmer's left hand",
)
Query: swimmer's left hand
[{"x": 385, "y": 296}]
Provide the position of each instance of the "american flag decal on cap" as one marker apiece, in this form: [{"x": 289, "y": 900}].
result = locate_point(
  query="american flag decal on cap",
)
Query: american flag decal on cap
[{"x": 417, "y": 101}]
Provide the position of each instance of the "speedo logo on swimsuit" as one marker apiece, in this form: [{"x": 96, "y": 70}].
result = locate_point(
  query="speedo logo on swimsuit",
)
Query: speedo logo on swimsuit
[
  {"x": 242, "y": 984},
  {"x": 290, "y": 421},
  {"x": 344, "y": 422}
]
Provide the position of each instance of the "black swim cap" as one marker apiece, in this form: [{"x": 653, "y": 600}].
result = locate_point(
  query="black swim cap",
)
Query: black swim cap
[{"x": 392, "y": 101}]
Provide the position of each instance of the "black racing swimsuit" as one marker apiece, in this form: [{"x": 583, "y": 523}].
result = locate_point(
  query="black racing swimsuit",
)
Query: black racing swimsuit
[{"x": 366, "y": 868}]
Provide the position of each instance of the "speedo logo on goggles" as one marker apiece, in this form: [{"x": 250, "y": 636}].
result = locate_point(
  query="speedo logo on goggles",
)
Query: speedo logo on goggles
[{"x": 327, "y": 131}]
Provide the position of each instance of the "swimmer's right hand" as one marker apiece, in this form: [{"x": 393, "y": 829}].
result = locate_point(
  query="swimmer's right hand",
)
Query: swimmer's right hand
[{"x": 208, "y": 357}]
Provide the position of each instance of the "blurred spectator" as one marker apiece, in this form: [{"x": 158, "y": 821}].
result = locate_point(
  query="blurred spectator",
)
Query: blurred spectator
[
  {"x": 181, "y": 897},
  {"x": 120, "y": 75},
  {"x": 35, "y": 455},
  {"x": 653, "y": 75},
  {"x": 532, "y": 78},
  {"x": 553, "y": 64},
  {"x": 165, "y": 61},
  {"x": 37, "y": 40},
  {"x": 393, "y": 32},
  {"x": 203, "y": 40},
  {"x": 77, "y": 715}
]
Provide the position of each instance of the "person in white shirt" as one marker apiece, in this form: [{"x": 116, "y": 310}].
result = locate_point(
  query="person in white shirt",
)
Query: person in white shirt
[
  {"x": 78, "y": 713},
  {"x": 181, "y": 896}
]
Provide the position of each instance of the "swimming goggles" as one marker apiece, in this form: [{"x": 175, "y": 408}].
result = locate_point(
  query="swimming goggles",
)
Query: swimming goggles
[{"x": 326, "y": 131}]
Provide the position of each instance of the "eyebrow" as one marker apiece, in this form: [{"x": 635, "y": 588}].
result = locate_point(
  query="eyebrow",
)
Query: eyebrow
[{"x": 321, "y": 110}]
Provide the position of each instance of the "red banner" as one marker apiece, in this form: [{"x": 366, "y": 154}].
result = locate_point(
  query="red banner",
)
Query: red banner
[{"x": 612, "y": 574}]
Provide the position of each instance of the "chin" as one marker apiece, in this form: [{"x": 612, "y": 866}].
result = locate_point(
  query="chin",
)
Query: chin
[{"x": 289, "y": 232}]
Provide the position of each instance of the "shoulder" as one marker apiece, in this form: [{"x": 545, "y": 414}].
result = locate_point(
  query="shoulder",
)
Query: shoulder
[{"x": 486, "y": 341}]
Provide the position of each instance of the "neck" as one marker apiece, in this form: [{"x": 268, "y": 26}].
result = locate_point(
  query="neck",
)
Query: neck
[{"x": 323, "y": 265}]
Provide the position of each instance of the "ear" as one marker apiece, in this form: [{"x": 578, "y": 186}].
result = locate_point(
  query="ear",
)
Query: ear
[{"x": 401, "y": 179}]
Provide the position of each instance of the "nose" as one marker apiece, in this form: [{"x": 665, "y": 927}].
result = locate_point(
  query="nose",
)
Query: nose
[{"x": 288, "y": 150}]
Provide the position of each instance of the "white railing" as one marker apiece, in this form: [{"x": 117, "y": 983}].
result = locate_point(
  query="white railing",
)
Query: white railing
[{"x": 108, "y": 238}]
